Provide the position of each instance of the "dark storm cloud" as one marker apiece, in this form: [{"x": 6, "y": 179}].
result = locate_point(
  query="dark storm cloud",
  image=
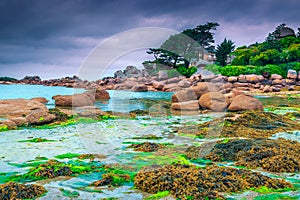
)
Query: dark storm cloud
[
  {"x": 55, "y": 32},
  {"x": 39, "y": 19}
]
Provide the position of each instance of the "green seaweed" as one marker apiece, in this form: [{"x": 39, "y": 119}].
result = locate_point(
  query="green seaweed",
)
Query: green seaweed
[
  {"x": 266, "y": 190},
  {"x": 276, "y": 197},
  {"x": 158, "y": 195},
  {"x": 37, "y": 140},
  {"x": 153, "y": 159},
  {"x": 68, "y": 193},
  {"x": 4, "y": 128},
  {"x": 54, "y": 168},
  {"x": 6, "y": 176},
  {"x": 67, "y": 155},
  {"x": 147, "y": 137},
  {"x": 33, "y": 163}
]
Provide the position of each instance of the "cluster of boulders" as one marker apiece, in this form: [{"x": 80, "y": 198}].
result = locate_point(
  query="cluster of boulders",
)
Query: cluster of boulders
[
  {"x": 23, "y": 112},
  {"x": 138, "y": 80},
  {"x": 275, "y": 83},
  {"x": 131, "y": 71},
  {"x": 209, "y": 96}
]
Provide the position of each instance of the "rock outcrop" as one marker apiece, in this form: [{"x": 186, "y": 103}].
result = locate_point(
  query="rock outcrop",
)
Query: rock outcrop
[
  {"x": 22, "y": 111},
  {"x": 40, "y": 99},
  {"x": 244, "y": 102},
  {"x": 214, "y": 101},
  {"x": 76, "y": 100},
  {"x": 101, "y": 94}
]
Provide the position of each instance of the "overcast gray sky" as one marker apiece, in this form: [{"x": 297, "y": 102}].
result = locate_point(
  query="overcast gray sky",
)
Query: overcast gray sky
[{"x": 52, "y": 38}]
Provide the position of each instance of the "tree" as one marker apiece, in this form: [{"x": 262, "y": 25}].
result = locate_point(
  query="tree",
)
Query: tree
[
  {"x": 276, "y": 33},
  {"x": 223, "y": 50},
  {"x": 270, "y": 56},
  {"x": 183, "y": 47},
  {"x": 203, "y": 34}
]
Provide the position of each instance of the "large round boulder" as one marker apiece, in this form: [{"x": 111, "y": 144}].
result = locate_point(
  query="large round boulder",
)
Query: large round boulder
[
  {"x": 140, "y": 88},
  {"x": 214, "y": 101},
  {"x": 20, "y": 107},
  {"x": 184, "y": 95},
  {"x": 40, "y": 99},
  {"x": 292, "y": 74},
  {"x": 101, "y": 94},
  {"x": 76, "y": 100},
  {"x": 203, "y": 87},
  {"x": 23, "y": 112},
  {"x": 244, "y": 102},
  {"x": 40, "y": 117}
]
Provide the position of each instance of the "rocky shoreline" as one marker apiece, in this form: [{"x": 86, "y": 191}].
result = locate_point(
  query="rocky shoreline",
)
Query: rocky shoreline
[
  {"x": 235, "y": 150},
  {"x": 138, "y": 81},
  {"x": 203, "y": 91}
]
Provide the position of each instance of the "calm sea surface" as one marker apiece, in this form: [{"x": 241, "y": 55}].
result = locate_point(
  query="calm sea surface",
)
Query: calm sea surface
[{"x": 121, "y": 101}]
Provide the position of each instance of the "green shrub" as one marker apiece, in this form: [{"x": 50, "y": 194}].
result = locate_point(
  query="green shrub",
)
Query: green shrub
[
  {"x": 7, "y": 79},
  {"x": 188, "y": 72},
  {"x": 296, "y": 67},
  {"x": 272, "y": 69},
  {"x": 259, "y": 70},
  {"x": 237, "y": 70}
]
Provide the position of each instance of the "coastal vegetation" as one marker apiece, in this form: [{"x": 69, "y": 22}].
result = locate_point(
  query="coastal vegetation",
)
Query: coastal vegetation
[{"x": 279, "y": 53}]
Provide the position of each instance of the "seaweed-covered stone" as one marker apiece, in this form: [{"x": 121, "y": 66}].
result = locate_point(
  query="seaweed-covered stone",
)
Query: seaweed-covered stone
[
  {"x": 202, "y": 183},
  {"x": 13, "y": 191},
  {"x": 272, "y": 155},
  {"x": 111, "y": 179},
  {"x": 252, "y": 124},
  {"x": 52, "y": 169},
  {"x": 147, "y": 147}
]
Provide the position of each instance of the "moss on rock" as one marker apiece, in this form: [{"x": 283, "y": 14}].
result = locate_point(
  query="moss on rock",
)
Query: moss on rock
[
  {"x": 12, "y": 191},
  {"x": 251, "y": 124},
  {"x": 112, "y": 179},
  {"x": 186, "y": 181},
  {"x": 272, "y": 155},
  {"x": 147, "y": 147}
]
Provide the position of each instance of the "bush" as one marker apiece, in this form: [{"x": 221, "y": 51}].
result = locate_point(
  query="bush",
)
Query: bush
[
  {"x": 272, "y": 69},
  {"x": 237, "y": 70},
  {"x": 296, "y": 67},
  {"x": 259, "y": 70},
  {"x": 188, "y": 72},
  {"x": 290, "y": 65},
  {"x": 7, "y": 79}
]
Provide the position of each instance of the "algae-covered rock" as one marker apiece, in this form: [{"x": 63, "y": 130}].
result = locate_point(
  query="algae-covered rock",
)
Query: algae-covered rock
[
  {"x": 112, "y": 179},
  {"x": 52, "y": 169},
  {"x": 13, "y": 191},
  {"x": 252, "y": 124},
  {"x": 201, "y": 183},
  {"x": 244, "y": 102},
  {"x": 272, "y": 155},
  {"x": 147, "y": 147}
]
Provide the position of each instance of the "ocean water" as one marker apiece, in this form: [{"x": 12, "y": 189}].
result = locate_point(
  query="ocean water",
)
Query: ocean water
[
  {"x": 126, "y": 101},
  {"x": 15, "y": 91},
  {"x": 121, "y": 101}
]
